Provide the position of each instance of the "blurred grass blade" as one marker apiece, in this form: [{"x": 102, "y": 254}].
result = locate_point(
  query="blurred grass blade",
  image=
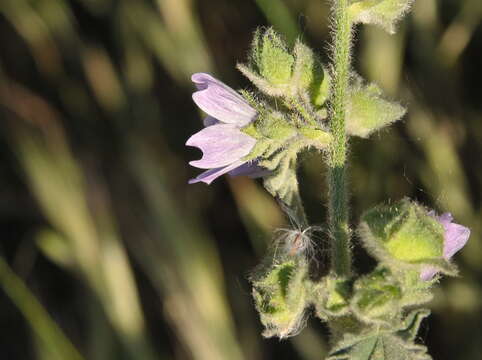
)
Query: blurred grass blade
[
  {"x": 458, "y": 34},
  {"x": 185, "y": 267},
  {"x": 182, "y": 23},
  {"x": 51, "y": 336},
  {"x": 60, "y": 188},
  {"x": 103, "y": 78},
  {"x": 384, "y": 70},
  {"x": 36, "y": 33},
  {"x": 180, "y": 47},
  {"x": 444, "y": 175}
]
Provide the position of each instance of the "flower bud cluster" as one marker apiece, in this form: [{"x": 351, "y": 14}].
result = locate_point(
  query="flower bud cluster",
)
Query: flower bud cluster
[{"x": 413, "y": 247}]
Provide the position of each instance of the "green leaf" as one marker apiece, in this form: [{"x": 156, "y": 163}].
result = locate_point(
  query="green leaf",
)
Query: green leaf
[
  {"x": 378, "y": 346},
  {"x": 367, "y": 111},
  {"x": 377, "y": 298},
  {"x": 396, "y": 343},
  {"x": 384, "y": 13}
]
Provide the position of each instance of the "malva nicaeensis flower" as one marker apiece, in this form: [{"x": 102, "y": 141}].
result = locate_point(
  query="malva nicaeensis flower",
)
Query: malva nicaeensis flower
[
  {"x": 222, "y": 142},
  {"x": 455, "y": 238}
]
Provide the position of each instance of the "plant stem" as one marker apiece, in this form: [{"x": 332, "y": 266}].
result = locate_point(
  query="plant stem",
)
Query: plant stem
[
  {"x": 296, "y": 204},
  {"x": 299, "y": 210},
  {"x": 337, "y": 202}
]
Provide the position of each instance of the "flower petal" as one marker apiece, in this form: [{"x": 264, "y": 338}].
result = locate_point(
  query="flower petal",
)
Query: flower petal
[
  {"x": 209, "y": 121},
  {"x": 428, "y": 273},
  {"x": 445, "y": 219},
  {"x": 221, "y": 145},
  {"x": 209, "y": 176},
  {"x": 456, "y": 236},
  {"x": 251, "y": 169},
  {"x": 220, "y": 101}
]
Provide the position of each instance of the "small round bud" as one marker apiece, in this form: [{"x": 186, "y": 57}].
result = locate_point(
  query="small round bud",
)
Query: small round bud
[{"x": 404, "y": 234}]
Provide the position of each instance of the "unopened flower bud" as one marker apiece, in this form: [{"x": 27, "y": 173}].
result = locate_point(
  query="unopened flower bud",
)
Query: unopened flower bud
[{"x": 281, "y": 298}]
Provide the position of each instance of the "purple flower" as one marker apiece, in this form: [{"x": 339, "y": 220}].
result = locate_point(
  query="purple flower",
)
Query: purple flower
[
  {"x": 222, "y": 142},
  {"x": 455, "y": 238}
]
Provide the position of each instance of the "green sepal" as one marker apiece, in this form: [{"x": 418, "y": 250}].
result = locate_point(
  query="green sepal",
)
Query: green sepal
[
  {"x": 281, "y": 298},
  {"x": 404, "y": 236},
  {"x": 261, "y": 83},
  {"x": 270, "y": 57},
  {"x": 274, "y": 126},
  {"x": 282, "y": 183},
  {"x": 332, "y": 297},
  {"x": 252, "y": 131},
  {"x": 367, "y": 111},
  {"x": 309, "y": 74},
  {"x": 255, "y": 101},
  {"x": 263, "y": 147},
  {"x": 315, "y": 137},
  {"x": 415, "y": 290},
  {"x": 279, "y": 72},
  {"x": 384, "y": 13},
  {"x": 410, "y": 325},
  {"x": 376, "y": 298}
]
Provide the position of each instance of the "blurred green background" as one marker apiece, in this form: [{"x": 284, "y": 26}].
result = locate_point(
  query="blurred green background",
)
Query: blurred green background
[{"x": 107, "y": 253}]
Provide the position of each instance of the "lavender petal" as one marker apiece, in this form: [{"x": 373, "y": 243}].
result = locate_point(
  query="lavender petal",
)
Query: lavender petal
[
  {"x": 220, "y": 101},
  {"x": 456, "y": 236},
  {"x": 445, "y": 219},
  {"x": 221, "y": 145},
  {"x": 210, "y": 175},
  {"x": 251, "y": 169},
  {"x": 428, "y": 273},
  {"x": 210, "y": 121}
]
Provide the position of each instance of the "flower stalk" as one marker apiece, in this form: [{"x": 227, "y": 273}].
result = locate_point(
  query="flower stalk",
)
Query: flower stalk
[{"x": 337, "y": 201}]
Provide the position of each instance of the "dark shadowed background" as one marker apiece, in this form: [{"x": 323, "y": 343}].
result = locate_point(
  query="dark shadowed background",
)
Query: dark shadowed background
[{"x": 107, "y": 253}]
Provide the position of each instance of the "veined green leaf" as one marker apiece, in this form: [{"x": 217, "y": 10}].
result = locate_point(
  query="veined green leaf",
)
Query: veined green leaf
[{"x": 378, "y": 346}]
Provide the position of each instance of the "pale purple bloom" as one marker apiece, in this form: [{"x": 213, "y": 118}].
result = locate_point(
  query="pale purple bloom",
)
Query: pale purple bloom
[
  {"x": 455, "y": 238},
  {"x": 222, "y": 142}
]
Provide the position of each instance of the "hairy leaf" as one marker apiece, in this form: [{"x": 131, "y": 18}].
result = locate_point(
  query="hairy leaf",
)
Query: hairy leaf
[
  {"x": 367, "y": 111},
  {"x": 378, "y": 346}
]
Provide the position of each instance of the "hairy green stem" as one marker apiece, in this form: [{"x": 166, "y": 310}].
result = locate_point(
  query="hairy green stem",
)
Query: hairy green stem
[
  {"x": 296, "y": 203},
  {"x": 299, "y": 210},
  {"x": 337, "y": 202}
]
